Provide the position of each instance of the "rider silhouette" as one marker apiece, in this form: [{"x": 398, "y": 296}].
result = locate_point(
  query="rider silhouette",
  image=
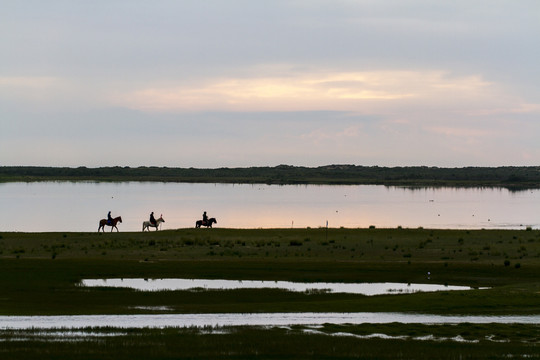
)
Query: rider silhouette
[
  {"x": 152, "y": 220},
  {"x": 204, "y": 218},
  {"x": 109, "y": 218}
]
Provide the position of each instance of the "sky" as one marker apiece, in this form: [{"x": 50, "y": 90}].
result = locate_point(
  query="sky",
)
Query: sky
[{"x": 240, "y": 83}]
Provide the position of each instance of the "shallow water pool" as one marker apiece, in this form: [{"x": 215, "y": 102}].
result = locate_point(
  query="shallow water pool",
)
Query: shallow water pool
[{"x": 368, "y": 289}]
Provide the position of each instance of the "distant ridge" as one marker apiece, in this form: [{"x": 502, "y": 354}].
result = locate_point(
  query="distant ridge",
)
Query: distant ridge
[{"x": 513, "y": 177}]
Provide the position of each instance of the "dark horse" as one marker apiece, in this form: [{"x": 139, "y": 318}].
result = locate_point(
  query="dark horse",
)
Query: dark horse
[
  {"x": 208, "y": 224},
  {"x": 103, "y": 222}
]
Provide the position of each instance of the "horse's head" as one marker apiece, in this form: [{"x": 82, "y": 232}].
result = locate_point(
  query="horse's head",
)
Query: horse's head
[
  {"x": 161, "y": 218},
  {"x": 120, "y": 218}
]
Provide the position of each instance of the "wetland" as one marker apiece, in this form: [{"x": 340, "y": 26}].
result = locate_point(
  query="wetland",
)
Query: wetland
[
  {"x": 40, "y": 275},
  {"x": 485, "y": 268}
]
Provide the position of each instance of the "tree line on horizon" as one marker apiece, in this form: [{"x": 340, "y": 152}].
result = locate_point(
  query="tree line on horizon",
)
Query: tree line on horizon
[{"x": 505, "y": 176}]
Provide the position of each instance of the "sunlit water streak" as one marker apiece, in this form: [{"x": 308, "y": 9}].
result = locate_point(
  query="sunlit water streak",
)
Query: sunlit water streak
[
  {"x": 209, "y": 284},
  {"x": 253, "y": 319},
  {"x": 457, "y": 338}
]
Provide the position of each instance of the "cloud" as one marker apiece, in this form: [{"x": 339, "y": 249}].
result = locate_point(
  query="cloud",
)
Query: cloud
[
  {"x": 315, "y": 91},
  {"x": 335, "y": 135},
  {"x": 29, "y": 89},
  {"x": 304, "y": 82},
  {"x": 461, "y": 132},
  {"x": 22, "y": 82},
  {"x": 515, "y": 106},
  {"x": 49, "y": 93}
]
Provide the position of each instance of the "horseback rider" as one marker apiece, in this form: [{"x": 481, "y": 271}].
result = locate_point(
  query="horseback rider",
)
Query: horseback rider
[
  {"x": 204, "y": 218},
  {"x": 152, "y": 219},
  {"x": 109, "y": 219}
]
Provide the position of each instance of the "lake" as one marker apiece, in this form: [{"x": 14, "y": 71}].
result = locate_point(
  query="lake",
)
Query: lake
[
  {"x": 250, "y": 319},
  {"x": 78, "y": 206}
]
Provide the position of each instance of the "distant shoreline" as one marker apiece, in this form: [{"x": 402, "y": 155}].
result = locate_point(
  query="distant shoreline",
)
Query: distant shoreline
[{"x": 511, "y": 177}]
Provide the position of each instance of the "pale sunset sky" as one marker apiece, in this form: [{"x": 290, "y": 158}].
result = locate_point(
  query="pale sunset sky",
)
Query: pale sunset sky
[{"x": 239, "y": 83}]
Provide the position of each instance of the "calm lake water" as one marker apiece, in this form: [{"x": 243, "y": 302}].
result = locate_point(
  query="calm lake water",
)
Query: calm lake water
[
  {"x": 251, "y": 319},
  {"x": 78, "y": 206}
]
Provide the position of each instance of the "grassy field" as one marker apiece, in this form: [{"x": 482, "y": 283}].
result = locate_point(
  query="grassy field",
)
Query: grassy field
[{"x": 39, "y": 273}]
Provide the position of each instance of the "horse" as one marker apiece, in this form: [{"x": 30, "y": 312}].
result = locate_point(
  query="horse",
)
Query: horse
[
  {"x": 208, "y": 224},
  {"x": 148, "y": 224},
  {"x": 104, "y": 222}
]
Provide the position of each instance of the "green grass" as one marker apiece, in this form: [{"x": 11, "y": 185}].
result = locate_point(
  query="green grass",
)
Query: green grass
[
  {"x": 353, "y": 245},
  {"x": 39, "y": 273}
]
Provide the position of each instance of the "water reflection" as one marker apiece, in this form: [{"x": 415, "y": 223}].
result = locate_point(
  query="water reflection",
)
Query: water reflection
[
  {"x": 368, "y": 289},
  {"x": 252, "y": 319}
]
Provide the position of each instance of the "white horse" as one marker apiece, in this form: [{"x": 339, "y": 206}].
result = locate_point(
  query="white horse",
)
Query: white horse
[{"x": 148, "y": 224}]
